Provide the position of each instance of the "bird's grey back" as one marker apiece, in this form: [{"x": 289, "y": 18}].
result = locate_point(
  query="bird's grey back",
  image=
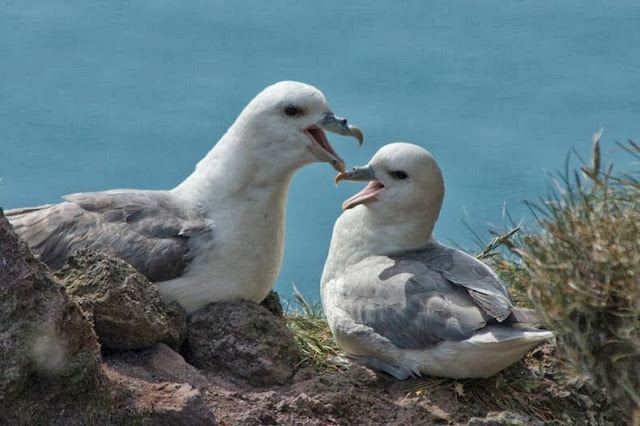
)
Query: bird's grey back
[
  {"x": 148, "y": 229},
  {"x": 461, "y": 269},
  {"x": 419, "y": 298}
]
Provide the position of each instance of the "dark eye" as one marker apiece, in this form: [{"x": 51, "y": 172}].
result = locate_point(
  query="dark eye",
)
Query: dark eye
[
  {"x": 399, "y": 174},
  {"x": 291, "y": 110}
]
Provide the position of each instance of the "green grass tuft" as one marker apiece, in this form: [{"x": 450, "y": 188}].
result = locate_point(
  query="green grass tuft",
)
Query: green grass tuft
[{"x": 311, "y": 331}]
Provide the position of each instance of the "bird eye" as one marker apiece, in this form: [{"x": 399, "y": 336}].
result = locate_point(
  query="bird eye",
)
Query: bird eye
[
  {"x": 399, "y": 174},
  {"x": 291, "y": 110}
]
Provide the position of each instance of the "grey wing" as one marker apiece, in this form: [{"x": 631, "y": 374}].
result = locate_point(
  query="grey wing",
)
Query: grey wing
[
  {"x": 148, "y": 229},
  {"x": 414, "y": 309},
  {"x": 486, "y": 288},
  {"x": 482, "y": 284}
]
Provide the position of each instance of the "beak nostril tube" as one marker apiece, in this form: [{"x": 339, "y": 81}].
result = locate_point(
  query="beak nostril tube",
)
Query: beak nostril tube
[{"x": 339, "y": 125}]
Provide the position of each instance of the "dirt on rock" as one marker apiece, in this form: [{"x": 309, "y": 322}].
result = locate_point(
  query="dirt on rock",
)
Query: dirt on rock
[
  {"x": 521, "y": 395},
  {"x": 156, "y": 385}
]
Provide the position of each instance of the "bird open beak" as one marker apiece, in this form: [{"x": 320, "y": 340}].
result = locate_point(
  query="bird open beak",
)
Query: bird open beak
[
  {"x": 369, "y": 193},
  {"x": 321, "y": 147}
]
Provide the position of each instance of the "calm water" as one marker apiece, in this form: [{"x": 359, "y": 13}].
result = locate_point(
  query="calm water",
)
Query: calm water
[{"x": 109, "y": 94}]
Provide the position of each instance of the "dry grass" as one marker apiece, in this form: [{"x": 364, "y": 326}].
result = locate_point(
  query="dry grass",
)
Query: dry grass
[
  {"x": 499, "y": 254},
  {"x": 581, "y": 271},
  {"x": 310, "y": 328},
  {"x": 584, "y": 272}
]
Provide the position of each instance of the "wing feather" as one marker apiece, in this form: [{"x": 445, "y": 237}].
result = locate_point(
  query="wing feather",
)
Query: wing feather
[
  {"x": 148, "y": 229},
  {"x": 484, "y": 286},
  {"x": 414, "y": 308}
]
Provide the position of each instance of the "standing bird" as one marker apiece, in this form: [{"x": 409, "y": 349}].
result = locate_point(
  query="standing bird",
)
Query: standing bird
[
  {"x": 219, "y": 235},
  {"x": 399, "y": 301}
]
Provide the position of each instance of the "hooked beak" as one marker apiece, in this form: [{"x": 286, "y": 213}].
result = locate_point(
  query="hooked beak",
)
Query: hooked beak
[
  {"x": 338, "y": 125},
  {"x": 369, "y": 193},
  {"x": 321, "y": 147}
]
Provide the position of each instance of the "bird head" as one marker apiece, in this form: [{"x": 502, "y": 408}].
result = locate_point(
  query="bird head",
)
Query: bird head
[
  {"x": 286, "y": 123},
  {"x": 405, "y": 182}
]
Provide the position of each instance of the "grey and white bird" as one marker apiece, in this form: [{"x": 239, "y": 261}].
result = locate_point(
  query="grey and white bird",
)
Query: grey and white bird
[
  {"x": 398, "y": 300},
  {"x": 219, "y": 235}
]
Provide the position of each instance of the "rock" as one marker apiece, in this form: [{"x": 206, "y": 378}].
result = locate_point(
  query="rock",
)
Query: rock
[
  {"x": 127, "y": 310},
  {"x": 47, "y": 346},
  {"x": 158, "y": 363},
  {"x": 272, "y": 304},
  {"x": 50, "y": 362},
  {"x": 165, "y": 362},
  {"x": 504, "y": 418},
  {"x": 142, "y": 402},
  {"x": 180, "y": 405},
  {"x": 244, "y": 340}
]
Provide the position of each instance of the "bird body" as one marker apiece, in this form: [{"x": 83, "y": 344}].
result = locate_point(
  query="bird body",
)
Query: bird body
[
  {"x": 398, "y": 300},
  {"x": 219, "y": 235}
]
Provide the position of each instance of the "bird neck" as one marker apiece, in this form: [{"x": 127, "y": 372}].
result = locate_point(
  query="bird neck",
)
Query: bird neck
[
  {"x": 233, "y": 171},
  {"x": 359, "y": 234},
  {"x": 383, "y": 234}
]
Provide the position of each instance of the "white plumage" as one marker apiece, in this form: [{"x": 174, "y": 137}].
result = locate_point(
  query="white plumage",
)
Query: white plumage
[
  {"x": 398, "y": 300},
  {"x": 219, "y": 235}
]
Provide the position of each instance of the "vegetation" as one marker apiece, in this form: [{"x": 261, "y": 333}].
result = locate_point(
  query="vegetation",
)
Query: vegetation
[
  {"x": 584, "y": 272},
  {"x": 312, "y": 333},
  {"x": 580, "y": 268},
  {"x": 581, "y": 271}
]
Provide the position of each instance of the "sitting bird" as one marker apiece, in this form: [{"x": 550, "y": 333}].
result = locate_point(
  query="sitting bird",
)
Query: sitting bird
[
  {"x": 218, "y": 235},
  {"x": 399, "y": 301}
]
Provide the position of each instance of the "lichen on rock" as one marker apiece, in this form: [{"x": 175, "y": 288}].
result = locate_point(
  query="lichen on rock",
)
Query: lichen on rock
[{"x": 126, "y": 309}]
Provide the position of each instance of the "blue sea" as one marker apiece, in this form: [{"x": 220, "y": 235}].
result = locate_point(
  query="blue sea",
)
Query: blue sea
[{"x": 101, "y": 94}]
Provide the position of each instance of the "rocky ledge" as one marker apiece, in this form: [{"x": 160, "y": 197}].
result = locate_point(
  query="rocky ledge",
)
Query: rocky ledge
[{"x": 93, "y": 343}]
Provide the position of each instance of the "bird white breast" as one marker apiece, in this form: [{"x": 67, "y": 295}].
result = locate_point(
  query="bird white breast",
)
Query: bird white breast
[
  {"x": 243, "y": 258},
  {"x": 356, "y": 237}
]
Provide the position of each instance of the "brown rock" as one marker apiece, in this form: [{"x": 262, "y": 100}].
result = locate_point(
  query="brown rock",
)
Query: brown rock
[
  {"x": 272, "y": 303},
  {"x": 159, "y": 363},
  {"x": 45, "y": 340},
  {"x": 127, "y": 310},
  {"x": 504, "y": 418},
  {"x": 166, "y": 362},
  {"x": 143, "y": 402},
  {"x": 179, "y": 405},
  {"x": 244, "y": 340}
]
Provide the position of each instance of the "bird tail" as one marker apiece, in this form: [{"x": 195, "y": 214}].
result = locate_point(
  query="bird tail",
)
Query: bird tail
[
  {"x": 35, "y": 225},
  {"x": 484, "y": 354},
  {"x": 23, "y": 210},
  {"x": 22, "y": 218},
  {"x": 524, "y": 316}
]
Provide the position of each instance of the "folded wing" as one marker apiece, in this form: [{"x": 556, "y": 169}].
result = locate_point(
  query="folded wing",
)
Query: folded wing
[
  {"x": 412, "y": 306},
  {"x": 148, "y": 229}
]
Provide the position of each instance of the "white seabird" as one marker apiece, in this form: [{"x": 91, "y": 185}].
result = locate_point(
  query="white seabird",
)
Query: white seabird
[
  {"x": 399, "y": 301},
  {"x": 219, "y": 235}
]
